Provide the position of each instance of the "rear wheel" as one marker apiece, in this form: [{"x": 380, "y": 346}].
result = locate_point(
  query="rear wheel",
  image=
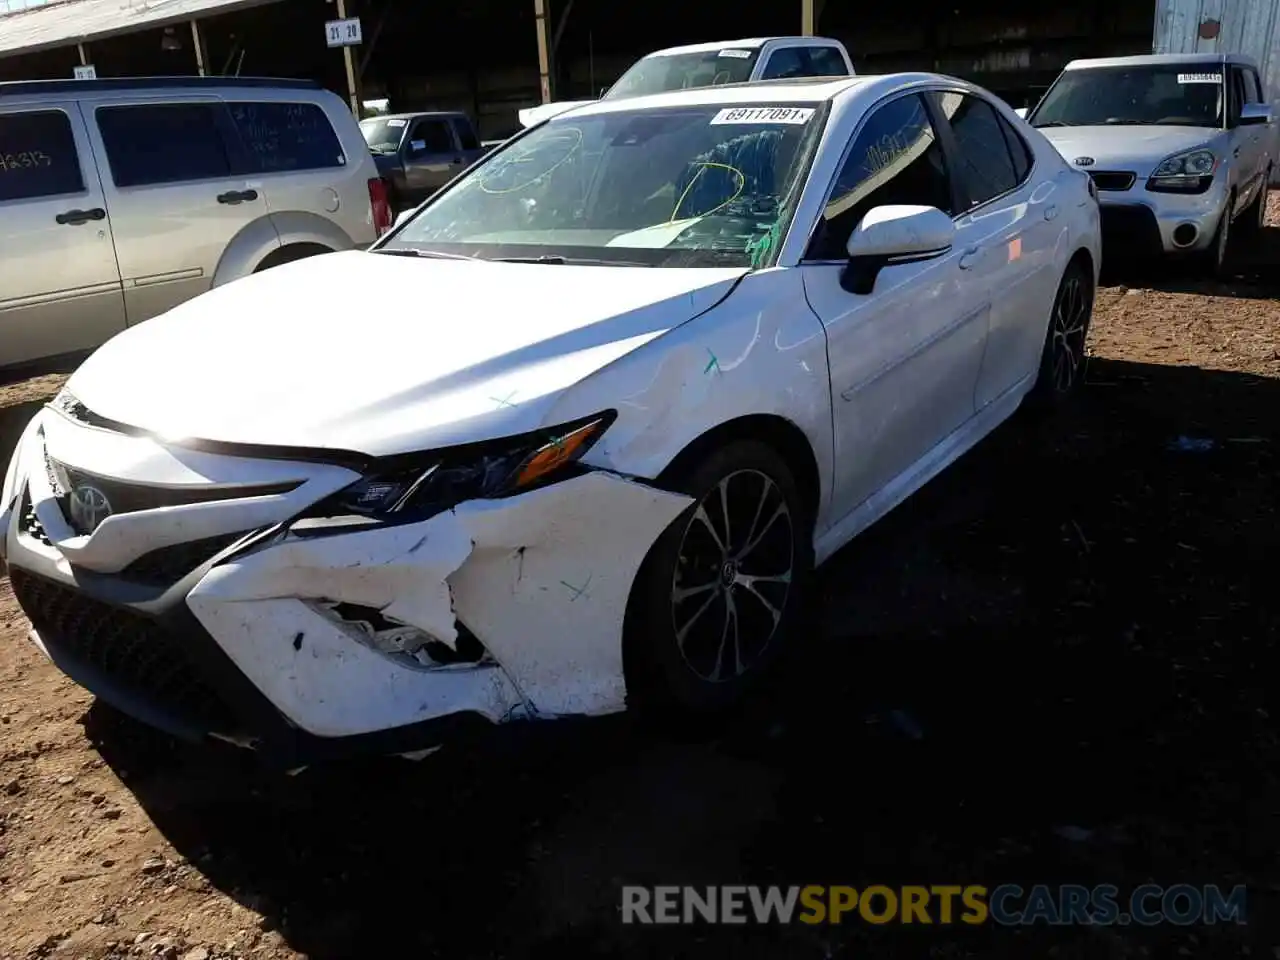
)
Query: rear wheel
[
  {"x": 721, "y": 595},
  {"x": 1063, "y": 360},
  {"x": 296, "y": 251},
  {"x": 1254, "y": 220}
]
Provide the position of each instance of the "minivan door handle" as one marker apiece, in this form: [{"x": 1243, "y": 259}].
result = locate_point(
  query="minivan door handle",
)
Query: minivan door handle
[
  {"x": 76, "y": 217},
  {"x": 237, "y": 196}
]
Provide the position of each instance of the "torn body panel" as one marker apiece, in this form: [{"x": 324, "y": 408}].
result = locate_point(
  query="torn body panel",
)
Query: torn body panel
[{"x": 525, "y": 574}]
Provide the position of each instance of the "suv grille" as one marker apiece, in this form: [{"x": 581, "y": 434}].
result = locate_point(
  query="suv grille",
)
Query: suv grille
[
  {"x": 1112, "y": 180},
  {"x": 135, "y": 651},
  {"x": 168, "y": 565}
]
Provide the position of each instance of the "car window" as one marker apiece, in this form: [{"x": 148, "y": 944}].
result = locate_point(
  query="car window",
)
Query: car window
[
  {"x": 163, "y": 143},
  {"x": 287, "y": 136},
  {"x": 1018, "y": 149},
  {"x": 1235, "y": 98},
  {"x": 684, "y": 71},
  {"x": 1252, "y": 81},
  {"x": 431, "y": 136},
  {"x": 826, "y": 62},
  {"x": 895, "y": 159},
  {"x": 983, "y": 158},
  {"x": 1248, "y": 88},
  {"x": 1181, "y": 94},
  {"x": 466, "y": 134},
  {"x": 787, "y": 62},
  {"x": 38, "y": 156}
]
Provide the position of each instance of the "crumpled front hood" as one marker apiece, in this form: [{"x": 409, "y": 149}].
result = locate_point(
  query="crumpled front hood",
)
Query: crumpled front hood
[
  {"x": 1127, "y": 148},
  {"x": 384, "y": 354}
]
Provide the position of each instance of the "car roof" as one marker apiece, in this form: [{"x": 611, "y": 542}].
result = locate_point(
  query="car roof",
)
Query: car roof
[
  {"x": 111, "y": 84},
  {"x": 753, "y": 43},
  {"x": 797, "y": 90},
  {"x": 1161, "y": 59}
]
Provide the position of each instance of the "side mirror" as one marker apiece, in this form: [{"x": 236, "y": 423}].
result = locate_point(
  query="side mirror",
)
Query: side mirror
[
  {"x": 1255, "y": 113},
  {"x": 1022, "y": 112},
  {"x": 891, "y": 235}
]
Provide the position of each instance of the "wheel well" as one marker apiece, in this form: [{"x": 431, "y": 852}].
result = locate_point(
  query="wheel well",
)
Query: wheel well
[
  {"x": 781, "y": 434},
  {"x": 1086, "y": 258},
  {"x": 290, "y": 253}
]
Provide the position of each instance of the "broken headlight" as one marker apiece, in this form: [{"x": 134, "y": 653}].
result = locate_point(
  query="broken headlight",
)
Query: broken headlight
[{"x": 412, "y": 487}]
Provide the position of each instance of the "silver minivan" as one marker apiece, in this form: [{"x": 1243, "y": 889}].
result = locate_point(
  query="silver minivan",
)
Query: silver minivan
[{"x": 121, "y": 198}]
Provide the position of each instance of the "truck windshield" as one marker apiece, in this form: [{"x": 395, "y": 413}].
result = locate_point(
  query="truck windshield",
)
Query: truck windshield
[
  {"x": 680, "y": 71},
  {"x": 1184, "y": 95},
  {"x": 383, "y": 135},
  {"x": 705, "y": 185}
]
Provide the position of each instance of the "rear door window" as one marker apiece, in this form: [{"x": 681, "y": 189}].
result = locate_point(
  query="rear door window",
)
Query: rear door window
[
  {"x": 787, "y": 62},
  {"x": 985, "y": 163},
  {"x": 283, "y": 137},
  {"x": 161, "y": 143},
  {"x": 38, "y": 156}
]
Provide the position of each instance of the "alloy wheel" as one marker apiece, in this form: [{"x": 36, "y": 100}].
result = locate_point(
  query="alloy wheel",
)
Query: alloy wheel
[
  {"x": 733, "y": 576},
  {"x": 1070, "y": 330}
]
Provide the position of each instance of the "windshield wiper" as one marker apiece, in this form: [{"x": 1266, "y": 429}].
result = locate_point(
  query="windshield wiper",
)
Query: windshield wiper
[
  {"x": 558, "y": 259},
  {"x": 1053, "y": 123},
  {"x": 1117, "y": 122},
  {"x": 415, "y": 252}
]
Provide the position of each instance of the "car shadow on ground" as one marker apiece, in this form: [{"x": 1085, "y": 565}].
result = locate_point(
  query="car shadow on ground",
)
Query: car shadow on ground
[
  {"x": 1055, "y": 664},
  {"x": 1254, "y": 272}
]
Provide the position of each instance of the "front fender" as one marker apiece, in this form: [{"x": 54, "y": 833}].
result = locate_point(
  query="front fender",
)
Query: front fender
[{"x": 760, "y": 350}]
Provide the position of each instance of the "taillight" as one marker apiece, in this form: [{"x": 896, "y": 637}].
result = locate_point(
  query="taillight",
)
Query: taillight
[{"x": 380, "y": 201}]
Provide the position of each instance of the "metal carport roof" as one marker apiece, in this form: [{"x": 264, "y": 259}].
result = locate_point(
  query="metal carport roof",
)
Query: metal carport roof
[{"x": 65, "y": 22}]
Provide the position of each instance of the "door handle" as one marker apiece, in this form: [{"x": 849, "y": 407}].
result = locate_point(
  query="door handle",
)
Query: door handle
[
  {"x": 969, "y": 258},
  {"x": 1235, "y": 152},
  {"x": 76, "y": 217},
  {"x": 1051, "y": 211},
  {"x": 237, "y": 196}
]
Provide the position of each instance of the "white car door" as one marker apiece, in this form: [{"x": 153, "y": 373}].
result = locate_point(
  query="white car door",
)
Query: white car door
[
  {"x": 1010, "y": 229},
  {"x": 904, "y": 358}
]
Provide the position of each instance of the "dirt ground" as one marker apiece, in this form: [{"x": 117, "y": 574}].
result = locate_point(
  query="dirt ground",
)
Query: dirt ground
[{"x": 1055, "y": 665}]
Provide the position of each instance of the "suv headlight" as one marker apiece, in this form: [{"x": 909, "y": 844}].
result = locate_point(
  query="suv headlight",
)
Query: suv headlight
[
  {"x": 1191, "y": 171},
  {"x": 416, "y": 486}
]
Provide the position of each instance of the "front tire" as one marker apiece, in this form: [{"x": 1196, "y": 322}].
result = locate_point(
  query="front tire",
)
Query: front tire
[
  {"x": 1217, "y": 259},
  {"x": 1063, "y": 360},
  {"x": 722, "y": 595}
]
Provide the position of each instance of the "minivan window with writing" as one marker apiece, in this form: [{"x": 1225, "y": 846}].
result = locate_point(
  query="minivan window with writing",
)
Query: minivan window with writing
[
  {"x": 38, "y": 156},
  {"x": 149, "y": 144}
]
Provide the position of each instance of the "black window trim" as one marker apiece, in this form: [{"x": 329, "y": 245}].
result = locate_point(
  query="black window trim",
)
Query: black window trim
[
  {"x": 952, "y": 148},
  {"x": 957, "y": 197},
  {"x": 85, "y": 181}
]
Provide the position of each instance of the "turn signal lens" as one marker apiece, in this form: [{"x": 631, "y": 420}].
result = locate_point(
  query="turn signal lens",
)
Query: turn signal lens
[{"x": 556, "y": 454}]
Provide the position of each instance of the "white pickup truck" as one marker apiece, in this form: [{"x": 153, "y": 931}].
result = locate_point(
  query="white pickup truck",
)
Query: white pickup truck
[{"x": 710, "y": 64}]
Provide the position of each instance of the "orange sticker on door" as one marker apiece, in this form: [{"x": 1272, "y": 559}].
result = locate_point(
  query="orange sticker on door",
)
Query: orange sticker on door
[{"x": 1015, "y": 249}]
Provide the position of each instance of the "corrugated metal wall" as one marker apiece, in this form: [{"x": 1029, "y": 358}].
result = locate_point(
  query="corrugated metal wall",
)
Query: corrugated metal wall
[{"x": 1251, "y": 27}]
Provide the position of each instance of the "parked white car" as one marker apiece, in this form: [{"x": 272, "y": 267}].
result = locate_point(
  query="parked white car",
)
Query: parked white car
[
  {"x": 663, "y": 356},
  {"x": 713, "y": 64},
  {"x": 1181, "y": 148}
]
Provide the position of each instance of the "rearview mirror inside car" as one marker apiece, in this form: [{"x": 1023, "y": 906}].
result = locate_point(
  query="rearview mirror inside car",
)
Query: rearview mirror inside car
[{"x": 892, "y": 235}]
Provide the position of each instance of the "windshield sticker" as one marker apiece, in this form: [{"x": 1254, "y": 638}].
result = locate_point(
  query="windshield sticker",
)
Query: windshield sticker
[
  {"x": 736, "y": 54},
  {"x": 798, "y": 115},
  {"x": 1199, "y": 78},
  {"x": 396, "y": 123}
]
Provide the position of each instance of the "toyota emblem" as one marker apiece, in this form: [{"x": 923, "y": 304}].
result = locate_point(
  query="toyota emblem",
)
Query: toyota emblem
[
  {"x": 1083, "y": 161},
  {"x": 89, "y": 507}
]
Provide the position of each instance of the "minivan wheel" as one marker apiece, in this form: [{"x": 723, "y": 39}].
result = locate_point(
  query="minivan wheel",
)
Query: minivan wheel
[
  {"x": 1218, "y": 256},
  {"x": 722, "y": 594},
  {"x": 1254, "y": 220},
  {"x": 295, "y": 251}
]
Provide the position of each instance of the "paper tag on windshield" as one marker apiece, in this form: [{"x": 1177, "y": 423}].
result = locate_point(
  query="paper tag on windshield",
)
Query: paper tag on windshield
[
  {"x": 396, "y": 123},
  {"x": 736, "y": 54},
  {"x": 1199, "y": 78},
  {"x": 763, "y": 115}
]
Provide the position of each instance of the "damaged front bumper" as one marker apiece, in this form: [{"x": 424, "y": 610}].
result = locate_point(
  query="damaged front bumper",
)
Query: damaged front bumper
[{"x": 315, "y": 640}]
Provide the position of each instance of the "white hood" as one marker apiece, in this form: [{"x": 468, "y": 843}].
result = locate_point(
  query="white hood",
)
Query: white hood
[
  {"x": 383, "y": 354},
  {"x": 1139, "y": 149},
  {"x": 531, "y": 115}
]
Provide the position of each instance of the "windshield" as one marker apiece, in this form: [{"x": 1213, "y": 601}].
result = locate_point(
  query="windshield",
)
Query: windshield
[
  {"x": 383, "y": 135},
  {"x": 704, "y": 185},
  {"x": 681, "y": 71},
  {"x": 1184, "y": 95}
]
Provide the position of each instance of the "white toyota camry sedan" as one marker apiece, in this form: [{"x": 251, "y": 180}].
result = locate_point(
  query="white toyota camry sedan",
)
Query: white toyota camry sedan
[{"x": 571, "y": 438}]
